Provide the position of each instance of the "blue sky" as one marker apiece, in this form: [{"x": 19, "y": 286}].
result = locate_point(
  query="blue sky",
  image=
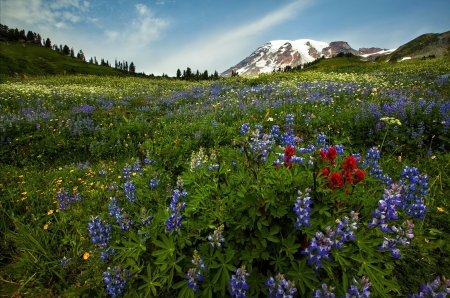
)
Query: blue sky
[{"x": 160, "y": 36}]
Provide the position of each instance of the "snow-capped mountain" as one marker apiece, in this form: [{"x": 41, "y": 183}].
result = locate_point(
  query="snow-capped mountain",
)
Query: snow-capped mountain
[{"x": 281, "y": 53}]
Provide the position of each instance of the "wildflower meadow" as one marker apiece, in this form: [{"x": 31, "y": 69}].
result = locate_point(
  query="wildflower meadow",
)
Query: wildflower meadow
[{"x": 331, "y": 183}]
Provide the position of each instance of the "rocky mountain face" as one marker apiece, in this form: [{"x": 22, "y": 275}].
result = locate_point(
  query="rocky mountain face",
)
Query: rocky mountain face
[{"x": 281, "y": 53}]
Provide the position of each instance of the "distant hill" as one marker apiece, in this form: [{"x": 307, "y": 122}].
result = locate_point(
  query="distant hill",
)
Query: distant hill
[
  {"x": 21, "y": 59},
  {"x": 430, "y": 44}
]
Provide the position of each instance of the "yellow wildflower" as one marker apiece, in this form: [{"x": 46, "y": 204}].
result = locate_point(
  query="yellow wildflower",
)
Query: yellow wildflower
[
  {"x": 50, "y": 212},
  {"x": 86, "y": 256},
  {"x": 440, "y": 209},
  {"x": 45, "y": 226}
]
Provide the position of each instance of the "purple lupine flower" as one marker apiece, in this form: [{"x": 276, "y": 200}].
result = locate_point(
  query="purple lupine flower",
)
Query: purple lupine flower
[
  {"x": 130, "y": 191},
  {"x": 302, "y": 209},
  {"x": 65, "y": 261},
  {"x": 126, "y": 172},
  {"x": 438, "y": 288},
  {"x": 344, "y": 231},
  {"x": 176, "y": 207},
  {"x": 100, "y": 232},
  {"x": 414, "y": 190},
  {"x": 195, "y": 274},
  {"x": 403, "y": 234},
  {"x": 216, "y": 239},
  {"x": 116, "y": 280},
  {"x": 387, "y": 208},
  {"x": 120, "y": 215},
  {"x": 327, "y": 292},
  {"x": 359, "y": 289},
  {"x": 65, "y": 199},
  {"x": 238, "y": 284},
  {"x": 279, "y": 287},
  {"x": 318, "y": 250}
]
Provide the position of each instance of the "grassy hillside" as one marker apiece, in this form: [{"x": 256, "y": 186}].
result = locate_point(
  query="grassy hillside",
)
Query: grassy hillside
[
  {"x": 424, "y": 45},
  {"x": 27, "y": 59}
]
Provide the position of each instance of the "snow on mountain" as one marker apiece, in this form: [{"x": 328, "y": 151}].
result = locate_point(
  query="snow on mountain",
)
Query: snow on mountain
[
  {"x": 281, "y": 53},
  {"x": 382, "y": 52}
]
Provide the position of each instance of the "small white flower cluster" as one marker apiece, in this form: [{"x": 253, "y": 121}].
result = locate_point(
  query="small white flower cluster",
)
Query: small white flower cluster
[{"x": 390, "y": 120}]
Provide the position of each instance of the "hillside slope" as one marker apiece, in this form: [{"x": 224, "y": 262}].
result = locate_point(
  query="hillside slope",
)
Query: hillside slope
[
  {"x": 429, "y": 44},
  {"x": 25, "y": 59}
]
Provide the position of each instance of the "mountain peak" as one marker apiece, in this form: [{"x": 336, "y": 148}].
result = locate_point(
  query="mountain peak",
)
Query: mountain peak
[{"x": 277, "y": 54}]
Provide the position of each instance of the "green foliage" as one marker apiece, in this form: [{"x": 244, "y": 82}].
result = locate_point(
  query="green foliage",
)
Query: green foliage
[{"x": 186, "y": 136}]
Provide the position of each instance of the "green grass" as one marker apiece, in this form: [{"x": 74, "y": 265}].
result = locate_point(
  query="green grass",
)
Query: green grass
[{"x": 29, "y": 60}]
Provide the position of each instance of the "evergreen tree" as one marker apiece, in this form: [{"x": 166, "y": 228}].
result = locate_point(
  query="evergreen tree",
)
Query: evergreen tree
[
  {"x": 126, "y": 66},
  {"x": 66, "y": 50},
  {"x": 55, "y": 48},
  {"x": 216, "y": 75},
  {"x": 91, "y": 60},
  {"x": 38, "y": 40},
  {"x": 188, "y": 73},
  {"x": 178, "y": 73},
  {"x": 132, "y": 68},
  {"x": 30, "y": 36},
  {"x": 48, "y": 43},
  {"x": 95, "y": 60},
  {"x": 205, "y": 75},
  {"x": 81, "y": 56},
  {"x": 72, "y": 53}
]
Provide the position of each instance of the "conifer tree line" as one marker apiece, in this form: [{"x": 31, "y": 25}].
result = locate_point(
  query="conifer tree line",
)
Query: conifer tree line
[
  {"x": 16, "y": 35},
  {"x": 188, "y": 75}
]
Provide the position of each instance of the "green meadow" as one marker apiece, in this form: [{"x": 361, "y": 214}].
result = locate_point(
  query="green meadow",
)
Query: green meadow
[{"x": 334, "y": 179}]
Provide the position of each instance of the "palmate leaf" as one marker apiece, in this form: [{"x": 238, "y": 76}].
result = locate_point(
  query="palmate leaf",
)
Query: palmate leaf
[
  {"x": 381, "y": 286},
  {"x": 303, "y": 276}
]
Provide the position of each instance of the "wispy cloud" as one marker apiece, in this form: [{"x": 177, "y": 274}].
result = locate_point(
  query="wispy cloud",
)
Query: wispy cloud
[
  {"x": 142, "y": 29},
  {"x": 229, "y": 45},
  {"x": 44, "y": 13}
]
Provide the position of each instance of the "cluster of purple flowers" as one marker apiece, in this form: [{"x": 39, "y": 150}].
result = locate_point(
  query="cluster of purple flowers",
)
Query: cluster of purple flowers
[
  {"x": 359, "y": 289},
  {"x": 302, "y": 209},
  {"x": 103, "y": 171},
  {"x": 120, "y": 215},
  {"x": 403, "y": 234},
  {"x": 320, "y": 245},
  {"x": 279, "y": 287},
  {"x": 326, "y": 292},
  {"x": 116, "y": 280},
  {"x": 65, "y": 261},
  {"x": 154, "y": 182},
  {"x": 344, "y": 230},
  {"x": 238, "y": 284},
  {"x": 318, "y": 250},
  {"x": 130, "y": 191},
  {"x": 371, "y": 162},
  {"x": 113, "y": 186},
  {"x": 176, "y": 208},
  {"x": 65, "y": 199},
  {"x": 101, "y": 235},
  {"x": 414, "y": 190},
  {"x": 438, "y": 288},
  {"x": 195, "y": 274},
  {"x": 137, "y": 167},
  {"x": 148, "y": 160},
  {"x": 126, "y": 172},
  {"x": 216, "y": 239},
  {"x": 387, "y": 208}
]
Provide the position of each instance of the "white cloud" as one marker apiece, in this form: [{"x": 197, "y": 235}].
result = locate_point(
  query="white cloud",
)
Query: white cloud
[
  {"x": 223, "y": 49},
  {"x": 142, "y": 30},
  {"x": 43, "y": 13}
]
